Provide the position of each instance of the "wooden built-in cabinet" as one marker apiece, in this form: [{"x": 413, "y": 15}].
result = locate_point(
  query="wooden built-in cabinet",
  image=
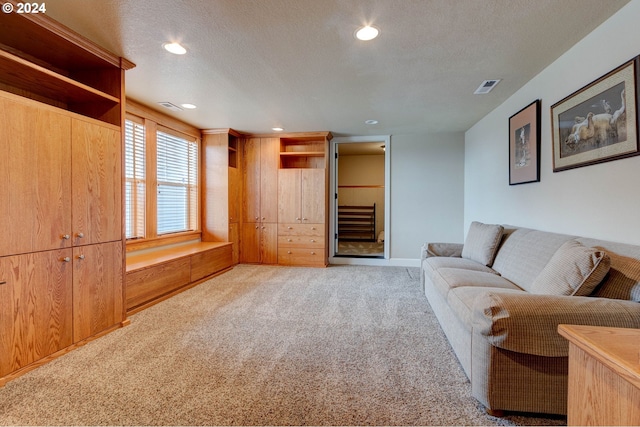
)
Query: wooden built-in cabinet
[
  {"x": 221, "y": 187},
  {"x": 303, "y": 200},
  {"x": 61, "y": 256},
  {"x": 259, "y": 228}
]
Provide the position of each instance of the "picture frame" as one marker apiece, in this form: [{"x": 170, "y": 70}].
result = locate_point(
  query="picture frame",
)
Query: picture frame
[
  {"x": 524, "y": 145},
  {"x": 599, "y": 122}
]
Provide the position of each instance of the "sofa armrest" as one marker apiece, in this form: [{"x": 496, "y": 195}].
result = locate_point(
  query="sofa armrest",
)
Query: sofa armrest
[
  {"x": 441, "y": 249},
  {"x": 528, "y": 323}
]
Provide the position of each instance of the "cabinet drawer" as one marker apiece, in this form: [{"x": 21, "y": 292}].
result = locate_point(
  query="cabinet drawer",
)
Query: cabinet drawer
[
  {"x": 206, "y": 263},
  {"x": 301, "y": 230},
  {"x": 312, "y": 257},
  {"x": 153, "y": 282},
  {"x": 301, "y": 241}
]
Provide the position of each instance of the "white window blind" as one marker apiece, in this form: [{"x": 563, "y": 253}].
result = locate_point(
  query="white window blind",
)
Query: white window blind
[
  {"x": 177, "y": 183},
  {"x": 135, "y": 180}
]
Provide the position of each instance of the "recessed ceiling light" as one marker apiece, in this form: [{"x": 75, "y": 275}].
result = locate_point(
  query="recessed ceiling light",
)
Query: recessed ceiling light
[
  {"x": 367, "y": 33},
  {"x": 277, "y": 129},
  {"x": 371, "y": 122},
  {"x": 188, "y": 106},
  {"x": 175, "y": 48}
]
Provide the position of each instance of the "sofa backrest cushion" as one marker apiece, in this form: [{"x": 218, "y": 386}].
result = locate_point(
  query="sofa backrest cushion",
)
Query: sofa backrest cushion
[
  {"x": 574, "y": 269},
  {"x": 481, "y": 243},
  {"x": 623, "y": 280},
  {"x": 524, "y": 253}
]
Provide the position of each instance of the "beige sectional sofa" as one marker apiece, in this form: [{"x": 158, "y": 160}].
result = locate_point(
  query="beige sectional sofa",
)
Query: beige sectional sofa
[{"x": 501, "y": 295}]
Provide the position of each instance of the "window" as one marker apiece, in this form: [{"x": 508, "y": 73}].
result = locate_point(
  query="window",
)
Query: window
[
  {"x": 177, "y": 183},
  {"x": 161, "y": 180},
  {"x": 135, "y": 184}
]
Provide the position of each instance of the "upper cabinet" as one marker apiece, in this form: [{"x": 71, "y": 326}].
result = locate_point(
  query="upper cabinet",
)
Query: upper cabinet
[{"x": 43, "y": 60}]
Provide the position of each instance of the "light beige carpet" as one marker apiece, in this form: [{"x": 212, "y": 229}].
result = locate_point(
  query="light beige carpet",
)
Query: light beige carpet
[{"x": 265, "y": 345}]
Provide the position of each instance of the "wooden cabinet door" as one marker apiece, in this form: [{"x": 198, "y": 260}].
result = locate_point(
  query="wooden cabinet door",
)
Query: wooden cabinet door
[
  {"x": 269, "y": 243},
  {"x": 250, "y": 243},
  {"x": 269, "y": 162},
  {"x": 313, "y": 199},
  {"x": 234, "y": 196},
  {"x": 96, "y": 183},
  {"x": 35, "y": 165},
  {"x": 234, "y": 237},
  {"x": 98, "y": 302},
  {"x": 251, "y": 180},
  {"x": 35, "y": 307},
  {"x": 289, "y": 192}
]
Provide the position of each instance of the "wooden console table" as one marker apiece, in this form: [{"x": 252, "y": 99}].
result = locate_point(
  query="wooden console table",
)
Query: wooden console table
[{"x": 604, "y": 375}]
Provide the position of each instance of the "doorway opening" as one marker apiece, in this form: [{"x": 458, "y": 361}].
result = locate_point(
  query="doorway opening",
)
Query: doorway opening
[{"x": 360, "y": 202}]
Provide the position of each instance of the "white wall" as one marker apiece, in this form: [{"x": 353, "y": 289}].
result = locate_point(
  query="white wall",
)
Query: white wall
[
  {"x": 602, "y": 200},
  {"x": 427, "y": 191}
]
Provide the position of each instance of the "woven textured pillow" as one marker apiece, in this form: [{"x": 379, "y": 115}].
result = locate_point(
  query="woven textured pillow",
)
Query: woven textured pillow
[
  {"x": 482, "y": 242},
  {"x": 573, "y": 270}
]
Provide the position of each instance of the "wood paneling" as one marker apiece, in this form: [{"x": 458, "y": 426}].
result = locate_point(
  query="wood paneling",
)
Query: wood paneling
[{"x": 35, "y": 307}]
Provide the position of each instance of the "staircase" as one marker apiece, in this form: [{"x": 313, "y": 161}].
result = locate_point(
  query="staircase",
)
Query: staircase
[{"x": 357, "y": 223}]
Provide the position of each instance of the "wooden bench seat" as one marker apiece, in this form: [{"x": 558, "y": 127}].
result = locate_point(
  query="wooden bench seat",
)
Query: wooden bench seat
[{"x": 153, "y": 275}]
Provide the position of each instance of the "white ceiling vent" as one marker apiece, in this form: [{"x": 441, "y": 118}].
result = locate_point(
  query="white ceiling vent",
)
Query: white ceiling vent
[
  {"x": 170, "y": 106},
  {"x": 486, "y": 86}
]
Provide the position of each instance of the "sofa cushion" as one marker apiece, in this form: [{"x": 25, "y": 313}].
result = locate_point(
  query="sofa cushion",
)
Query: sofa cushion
[
  {"x": 623, "y": 280},
  {"x": 446, "y": 279},
  {"x": 482, "y": 242},
  {"x": 574, "y": 269},
  {"x": 461, "y": 300},
  {"x": 524, "y": 253}
]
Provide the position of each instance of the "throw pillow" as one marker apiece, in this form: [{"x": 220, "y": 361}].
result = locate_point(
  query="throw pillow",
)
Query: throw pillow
[
  {"x": 482, "y": 242},
  {"x": 573, "y": 270}
]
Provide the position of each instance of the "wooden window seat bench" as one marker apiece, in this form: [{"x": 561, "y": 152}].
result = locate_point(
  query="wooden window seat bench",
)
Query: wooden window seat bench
[{"x": 153, "y": 275}]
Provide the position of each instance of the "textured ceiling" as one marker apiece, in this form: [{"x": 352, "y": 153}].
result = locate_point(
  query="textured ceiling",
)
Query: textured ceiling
[{"x": 255, "y": 64}]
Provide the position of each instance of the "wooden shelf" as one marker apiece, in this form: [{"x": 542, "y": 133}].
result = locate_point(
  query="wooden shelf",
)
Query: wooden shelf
[
  {"x": 23, "y": 74},
  {"x": 302, "y": 153},
  {"x": 43, "y": 60}
]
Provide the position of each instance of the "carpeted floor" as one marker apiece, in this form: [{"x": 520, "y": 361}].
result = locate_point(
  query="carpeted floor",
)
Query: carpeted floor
[{"x": 265, "y": 345}]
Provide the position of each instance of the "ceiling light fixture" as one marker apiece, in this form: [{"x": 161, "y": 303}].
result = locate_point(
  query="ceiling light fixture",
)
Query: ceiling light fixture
[
  {"x": 367, "y": 33},
  {"x": 188, "y": 106},
  {"x": 383, "y": 148},
  {"x": 174, "y": 48},
  {"x": 371, "y": 122},
  {"x": 277, "y": 129}
]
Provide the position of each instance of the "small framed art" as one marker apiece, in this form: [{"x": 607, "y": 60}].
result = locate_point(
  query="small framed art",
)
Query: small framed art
[{"x": 524, "y": 145}]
